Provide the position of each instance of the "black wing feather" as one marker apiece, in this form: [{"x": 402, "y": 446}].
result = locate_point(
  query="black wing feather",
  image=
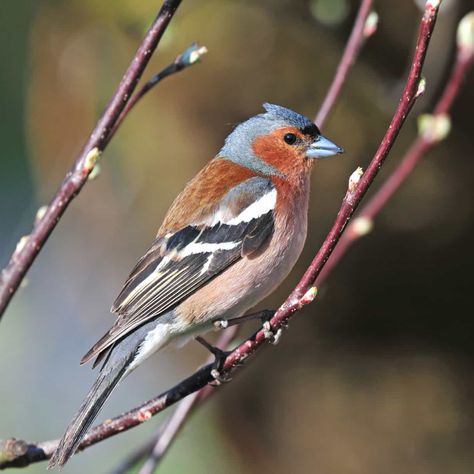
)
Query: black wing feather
[{"x": 176, "y": 266}]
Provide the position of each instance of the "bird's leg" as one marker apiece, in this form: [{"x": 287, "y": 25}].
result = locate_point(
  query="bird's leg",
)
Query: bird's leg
[
  {"x": 220, "y": 357},
  {"x": 264, "y": 316}
]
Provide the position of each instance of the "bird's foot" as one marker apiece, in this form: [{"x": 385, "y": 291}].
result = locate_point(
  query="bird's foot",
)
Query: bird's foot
[
  {"x": 221, "y": 324},
  {"x": 219, "y": 379},
  {"x": 273, "y": 337},
  {"x": 219, "y": 359}
]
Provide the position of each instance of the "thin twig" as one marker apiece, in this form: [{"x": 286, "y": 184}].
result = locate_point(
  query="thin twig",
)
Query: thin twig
[
  {"x": 29, "y": 246},
  {"x": 303, "y": 294},
  {"x": 359, "y": 32},
  {"x": 433, "y": 129},
  {"x": 191, "y": 56}
]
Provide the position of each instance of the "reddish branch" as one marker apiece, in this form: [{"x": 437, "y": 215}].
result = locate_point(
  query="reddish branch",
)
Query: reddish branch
[
  {"x": 29, "y": 246},
  {"x": 302, "y": 295},
  {"x": 435, "y": 129},
  {"x": 359, "y": 32},
  {"x": 353, "y": 197}
]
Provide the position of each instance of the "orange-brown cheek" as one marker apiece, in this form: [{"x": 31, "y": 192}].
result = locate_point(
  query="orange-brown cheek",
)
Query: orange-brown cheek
[{"x": 273, "y": 150}]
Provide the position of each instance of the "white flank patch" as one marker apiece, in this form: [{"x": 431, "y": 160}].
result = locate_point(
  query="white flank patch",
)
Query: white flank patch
[
  {"x": 260, "y": 207},
  {"x": 155, "y": 339}
]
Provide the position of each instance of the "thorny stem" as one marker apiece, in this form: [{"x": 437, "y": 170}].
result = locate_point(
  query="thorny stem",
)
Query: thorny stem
[
  {"x": 29, "y": 246},
  {"x": 304, "y": 293}
]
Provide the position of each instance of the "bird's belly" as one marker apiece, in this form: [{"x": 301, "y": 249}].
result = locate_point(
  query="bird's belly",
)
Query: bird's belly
[{"x": 249, "y": 280}]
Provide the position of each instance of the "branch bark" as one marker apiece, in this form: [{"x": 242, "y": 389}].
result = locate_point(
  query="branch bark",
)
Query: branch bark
[
  {"x": 433, "y": 129},
  {"x": 354, "y": 44},
  {"x": 305, "y": 291},
  {"x": 29, "y": 246}
]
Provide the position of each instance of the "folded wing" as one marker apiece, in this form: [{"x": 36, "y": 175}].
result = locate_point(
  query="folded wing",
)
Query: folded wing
[{"x": 180, "y": 262}]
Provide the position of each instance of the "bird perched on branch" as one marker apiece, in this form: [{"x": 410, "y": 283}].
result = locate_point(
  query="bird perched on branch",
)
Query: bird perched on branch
[{"x": 228, "y": 240}]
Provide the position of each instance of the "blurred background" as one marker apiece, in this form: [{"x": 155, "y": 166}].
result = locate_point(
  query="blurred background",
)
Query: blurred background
[{"x": 376, "y": 376}]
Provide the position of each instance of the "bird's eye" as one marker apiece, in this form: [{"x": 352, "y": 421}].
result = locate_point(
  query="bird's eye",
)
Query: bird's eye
[{"x": 290, "y": 138}]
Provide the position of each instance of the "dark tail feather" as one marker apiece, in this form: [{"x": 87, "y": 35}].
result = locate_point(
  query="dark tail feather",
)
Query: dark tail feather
[{"x": 91, "y": 406}]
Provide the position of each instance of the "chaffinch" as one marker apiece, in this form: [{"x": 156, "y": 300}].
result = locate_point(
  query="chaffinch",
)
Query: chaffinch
[{"x": 228, "y": 240}]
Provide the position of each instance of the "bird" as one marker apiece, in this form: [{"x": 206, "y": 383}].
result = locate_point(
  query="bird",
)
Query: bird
[{"x": 228, "y": 240}]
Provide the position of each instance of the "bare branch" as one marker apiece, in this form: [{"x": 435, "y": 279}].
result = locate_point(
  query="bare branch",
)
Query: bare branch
[
  {"x": 362, "y": 29},
  {"x": 29, "y": 246},
  {"x": 191, "y": 56},
  {"x": 303, "y": 294},
  {"x": 433, "y": 129}
]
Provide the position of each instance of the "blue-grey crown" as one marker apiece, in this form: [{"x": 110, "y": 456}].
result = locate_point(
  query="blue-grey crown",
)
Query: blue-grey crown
[
  {"x": 238, "y": 146},
  {"x": 277, "y": 112}
]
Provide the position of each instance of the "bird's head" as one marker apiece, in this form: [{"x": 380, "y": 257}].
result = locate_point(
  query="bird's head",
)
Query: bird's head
[{"x": 279, "y": 142}]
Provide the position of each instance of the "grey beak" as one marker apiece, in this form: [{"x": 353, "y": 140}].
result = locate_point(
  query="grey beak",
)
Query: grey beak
[{"x": 322, "y": 147}]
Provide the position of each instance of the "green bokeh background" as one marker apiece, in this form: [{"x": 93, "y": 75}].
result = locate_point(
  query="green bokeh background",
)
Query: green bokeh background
[{"x": 376, "y": 377}]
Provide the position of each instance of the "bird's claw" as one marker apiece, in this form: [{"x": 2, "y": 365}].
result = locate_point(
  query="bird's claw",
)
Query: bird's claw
[
  {"x": 273, "y": 337},
  {"x": 221, "y": 324},
  {"x": 264, "y": 316},
  {"x": 219, "y": 379}
]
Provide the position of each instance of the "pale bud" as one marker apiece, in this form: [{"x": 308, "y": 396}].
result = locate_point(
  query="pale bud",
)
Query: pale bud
[
  {"x": 434, "y": 128},
  {"x": 91, "y": 159},
  {"x": 354, "y": 179},
  {"x": 362, "y": 226},
  {"x": 193, "y": 54},
  {"x": 371, "y": 23},
  {"x": 465, "y": 34},
  {"x": 21, "y": 244},
  {"x": 421, "y": 87},
  {"x": 40, "y": 213},
  {"x": 95, "y": 172},
  {"x": 310, "y": 295}
]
